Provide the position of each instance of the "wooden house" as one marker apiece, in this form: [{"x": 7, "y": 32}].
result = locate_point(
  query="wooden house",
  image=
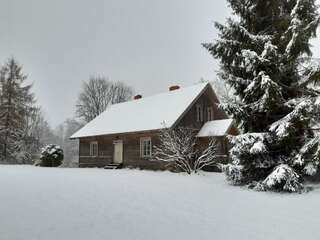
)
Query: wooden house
[{"x": 126, "y": 132}]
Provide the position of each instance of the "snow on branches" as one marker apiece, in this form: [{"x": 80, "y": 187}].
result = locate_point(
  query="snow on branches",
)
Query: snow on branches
[
  {"x": 233, "y": 173},
  {"x": 51, "y": 156},
  {"x": 250, "y": 149},
  {"x": 309, "y": 156},
  {"x": 282, "y": 178},
  {"x": 303, "y": 26},
  {"x": 178, "y": 147},
  {"x": 310, "y": 71},
  {"x": 17, "y": 105},
  {"x": 265, "y": 57},
  {"x": 243, "y": 144},
  {"x": 268, "y": 93},
  {"x": 301, "y": 113}
]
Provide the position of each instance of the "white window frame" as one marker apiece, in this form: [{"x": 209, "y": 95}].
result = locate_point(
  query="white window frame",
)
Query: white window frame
[
  {"x": 199, "y": 113},
  {"x": 210, "y": 114},
  {"x": 92, "y": 153},
  {"x": 148, "y": 152}
]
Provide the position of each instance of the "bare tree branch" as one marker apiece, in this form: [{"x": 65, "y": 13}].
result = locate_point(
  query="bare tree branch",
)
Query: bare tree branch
[
  {"x": 98, "y": 94},
  {"x": 178, "y": 147}
]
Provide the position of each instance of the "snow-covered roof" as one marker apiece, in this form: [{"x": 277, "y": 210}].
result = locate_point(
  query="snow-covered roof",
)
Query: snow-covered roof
[
  {"x": 215, "y": 128},
  {"x": 145, "y": 114}
]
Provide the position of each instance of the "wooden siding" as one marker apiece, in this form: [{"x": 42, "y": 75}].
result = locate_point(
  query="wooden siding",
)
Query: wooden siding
[
  {"x": 131, "y": 151},
  {"x": 207, "y": 99}
]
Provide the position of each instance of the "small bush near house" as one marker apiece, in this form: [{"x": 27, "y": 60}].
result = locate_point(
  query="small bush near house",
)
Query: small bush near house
[
  {"x": 178, "y": 148},
  {"x": 51, "y": 156}
]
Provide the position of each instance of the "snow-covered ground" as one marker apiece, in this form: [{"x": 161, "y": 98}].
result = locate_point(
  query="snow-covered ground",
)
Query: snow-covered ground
[{"x": 75, "y": 204}]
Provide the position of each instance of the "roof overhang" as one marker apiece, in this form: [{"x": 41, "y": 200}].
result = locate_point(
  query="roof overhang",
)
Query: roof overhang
[{"x": 216, "y": 128}]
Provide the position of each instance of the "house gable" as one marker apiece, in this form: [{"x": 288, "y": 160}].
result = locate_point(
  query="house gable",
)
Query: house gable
[{"x": 206, "y": 99}]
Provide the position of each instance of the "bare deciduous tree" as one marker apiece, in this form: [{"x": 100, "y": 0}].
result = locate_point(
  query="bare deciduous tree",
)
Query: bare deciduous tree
[
  {"x": 98, "y": 94},
  {"x": 40, "y": 130},
  {"x": 120, "y": 92},
  {"x": 178, "y": 146}
]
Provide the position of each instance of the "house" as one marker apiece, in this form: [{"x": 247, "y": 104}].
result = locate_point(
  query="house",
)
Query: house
[{"x": 126, "y": 132}]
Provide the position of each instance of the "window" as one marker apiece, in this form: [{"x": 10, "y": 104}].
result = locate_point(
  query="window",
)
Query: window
[
  {"x": 94, "y": 149},
  {"x": 210, "y": 114},
  {"x": 145, "y": 147},
  {"x": 199, "y": 113}
]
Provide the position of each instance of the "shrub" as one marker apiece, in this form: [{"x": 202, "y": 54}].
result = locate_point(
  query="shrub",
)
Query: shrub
[
  {"x": 51, "y": 156},
  {"x": 178, "y": 147}
]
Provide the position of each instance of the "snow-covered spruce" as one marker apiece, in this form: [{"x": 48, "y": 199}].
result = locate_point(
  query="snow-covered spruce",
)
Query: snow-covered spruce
[
  {"x": 265, "y": 58},
  {"x": 17, "y": 112},
  {"x": 282, "y": 178},
  {"x": 51, "y": 156},
  {"x": 233, "y": 173},
  {"x": 309, "y": 156}
]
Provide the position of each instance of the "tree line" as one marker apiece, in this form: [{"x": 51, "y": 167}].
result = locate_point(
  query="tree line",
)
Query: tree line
[{"x": 24, "y": 130}]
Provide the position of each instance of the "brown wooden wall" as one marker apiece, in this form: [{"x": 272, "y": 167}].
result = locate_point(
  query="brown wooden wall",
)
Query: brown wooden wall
[
  {"x": 207, "y": 99},
  {"x": 131, "y": 151},
  {"x": 222, "y": 146},
  {"x": 105, "y": 150}
]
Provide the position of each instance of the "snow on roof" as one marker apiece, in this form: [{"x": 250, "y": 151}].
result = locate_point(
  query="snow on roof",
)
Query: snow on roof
[
  {"x": 145, "y": 114},
  {"x": 215, "y": 128}
]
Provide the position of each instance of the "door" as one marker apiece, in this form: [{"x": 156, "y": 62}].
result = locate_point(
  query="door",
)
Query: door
[{"x": 118, "y": 152}]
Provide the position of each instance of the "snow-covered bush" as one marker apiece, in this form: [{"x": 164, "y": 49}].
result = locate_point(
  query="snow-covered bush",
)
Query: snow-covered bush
[
  {"x": 178, "y": 147},
  {"x": 282, "y": 178},
  {"x": 51, "y": 156}
]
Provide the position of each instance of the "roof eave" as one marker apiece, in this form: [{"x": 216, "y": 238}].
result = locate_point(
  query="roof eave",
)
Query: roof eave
[{"x": 114, "y": 134}]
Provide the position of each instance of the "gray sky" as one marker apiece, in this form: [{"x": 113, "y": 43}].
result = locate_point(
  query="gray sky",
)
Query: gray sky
[{"x": 148, "y": 44}]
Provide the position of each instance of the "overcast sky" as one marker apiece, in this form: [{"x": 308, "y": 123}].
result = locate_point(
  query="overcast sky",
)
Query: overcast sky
[{"x": 148, "y": 44}]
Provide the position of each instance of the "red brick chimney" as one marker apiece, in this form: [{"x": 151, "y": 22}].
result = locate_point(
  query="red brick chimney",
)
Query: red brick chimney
[
  {"x": 174, "y": 87},
  {"x": 136, "y": 97}
]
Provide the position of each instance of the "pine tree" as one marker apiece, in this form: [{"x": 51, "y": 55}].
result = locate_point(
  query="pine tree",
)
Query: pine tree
[
  {"x": 265, "y": 57},
  {"x": 16, "y": 103}
]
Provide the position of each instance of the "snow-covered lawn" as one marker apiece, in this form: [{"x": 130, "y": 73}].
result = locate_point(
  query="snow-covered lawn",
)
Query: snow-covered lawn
[{"x": 90, "y": 204}]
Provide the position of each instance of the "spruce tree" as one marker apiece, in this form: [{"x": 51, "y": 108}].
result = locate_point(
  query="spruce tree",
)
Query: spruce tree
[
  {"x": 16, "y": 103},
  {"x": 265, "y": 57}
]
